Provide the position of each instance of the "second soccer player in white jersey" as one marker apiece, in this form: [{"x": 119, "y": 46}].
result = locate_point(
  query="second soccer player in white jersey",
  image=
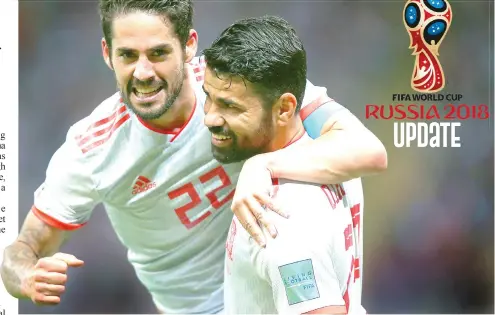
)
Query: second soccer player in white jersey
[
  {"x": 255, "y": 81},
  {"x": 144, "y": 153}
]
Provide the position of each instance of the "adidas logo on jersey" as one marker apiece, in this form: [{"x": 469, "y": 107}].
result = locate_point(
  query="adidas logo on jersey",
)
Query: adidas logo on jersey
[{"x": 142, "y": 184}]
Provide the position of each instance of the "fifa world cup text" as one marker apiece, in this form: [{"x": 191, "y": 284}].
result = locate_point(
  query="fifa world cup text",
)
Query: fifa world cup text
[{"x": 426, "y": 97}]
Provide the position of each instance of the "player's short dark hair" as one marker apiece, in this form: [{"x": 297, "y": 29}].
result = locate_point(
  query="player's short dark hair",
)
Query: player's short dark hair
[
  {"x": 264, "y": 51},
  {"x": 178, "y": 12}
]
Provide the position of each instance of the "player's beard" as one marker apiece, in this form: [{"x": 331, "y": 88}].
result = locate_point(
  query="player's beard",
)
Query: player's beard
[
  {"x": 258, "y": 142},
  {"x": 172, "y": 91}
]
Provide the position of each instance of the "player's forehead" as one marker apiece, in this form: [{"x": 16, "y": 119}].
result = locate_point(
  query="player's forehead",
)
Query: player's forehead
[
  {"x": 228, "y": 87},
  {"x": 138, "y": 29}
]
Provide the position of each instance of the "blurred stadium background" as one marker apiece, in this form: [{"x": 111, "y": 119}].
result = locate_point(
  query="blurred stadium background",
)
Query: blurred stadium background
[{"x": 428, "y": 220}]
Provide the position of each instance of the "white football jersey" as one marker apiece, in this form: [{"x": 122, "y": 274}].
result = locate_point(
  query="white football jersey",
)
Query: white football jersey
[
  {"x": 314, "y": 262},
  {"x": 166, "y": 196}
]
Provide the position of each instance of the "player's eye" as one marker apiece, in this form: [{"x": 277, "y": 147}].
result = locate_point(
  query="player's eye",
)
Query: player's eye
[
  {"x": 228, "y": 105},
  {"x": 158, "y": 53},
  {"x": 126, "y": 55}
]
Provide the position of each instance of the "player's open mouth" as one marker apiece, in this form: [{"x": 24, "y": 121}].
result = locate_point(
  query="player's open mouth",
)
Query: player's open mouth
[
  {"x": 220, "y": 140},
  {"x": 220, "y": 137},
  {"x": 147, "y": 94}
]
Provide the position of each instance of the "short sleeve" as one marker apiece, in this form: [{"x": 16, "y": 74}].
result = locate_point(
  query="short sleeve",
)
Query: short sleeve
[
  {"x": 304, "y": 282},
  {"x": 299, "y": 263},
  {"x": 67, "y": 197}
]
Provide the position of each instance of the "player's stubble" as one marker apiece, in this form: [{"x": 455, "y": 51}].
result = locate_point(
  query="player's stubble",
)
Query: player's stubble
[
  {"x": 253, "y": 142},
  {"x": 146, "y": 111}
]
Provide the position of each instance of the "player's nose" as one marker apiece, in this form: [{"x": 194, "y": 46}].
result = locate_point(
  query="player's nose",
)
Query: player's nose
[
  {"x": 213, "y": 118},
  {"x": 144, "y": 69}
]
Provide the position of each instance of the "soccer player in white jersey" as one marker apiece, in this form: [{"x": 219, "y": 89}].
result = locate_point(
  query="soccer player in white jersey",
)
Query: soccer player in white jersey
[
  {"x": 144, "y": 153},
  {"x": 254, "y": 82}
]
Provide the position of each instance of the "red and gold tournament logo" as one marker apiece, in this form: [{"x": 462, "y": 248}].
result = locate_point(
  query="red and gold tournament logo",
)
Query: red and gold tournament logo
[
  {"x": 427, "y": 119},
  {"x": 427, "y": 22}
]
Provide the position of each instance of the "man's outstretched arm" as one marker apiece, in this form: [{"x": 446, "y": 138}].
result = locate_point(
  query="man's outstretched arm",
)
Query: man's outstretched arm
[{"x": 344, "y": 150}]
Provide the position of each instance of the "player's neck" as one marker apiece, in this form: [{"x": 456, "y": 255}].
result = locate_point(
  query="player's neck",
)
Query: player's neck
[
  {"x": 285, "y": 136},
  {"x": 178, "y": 114}
]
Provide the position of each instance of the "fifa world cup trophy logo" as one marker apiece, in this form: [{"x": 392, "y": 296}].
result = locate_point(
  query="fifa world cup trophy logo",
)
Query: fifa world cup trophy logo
[{"x": 427, "y": 22}]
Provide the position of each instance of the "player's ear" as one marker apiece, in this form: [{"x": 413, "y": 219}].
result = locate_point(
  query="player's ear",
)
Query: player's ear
[
  {"x": 106, "y": 53},
  {"x": 191, "y": 45},
  {"x": 285, "y": 109}
]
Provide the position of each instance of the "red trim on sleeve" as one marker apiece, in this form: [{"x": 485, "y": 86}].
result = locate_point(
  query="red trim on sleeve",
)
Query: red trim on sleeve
[
  {"x": 314, "y": 105},
  {"x": 54, "y": 222}
]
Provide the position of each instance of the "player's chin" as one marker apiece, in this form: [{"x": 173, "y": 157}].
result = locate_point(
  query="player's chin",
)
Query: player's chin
[
  {"x": 150, "y": 111},
  {"x": 223, "y": 156}
]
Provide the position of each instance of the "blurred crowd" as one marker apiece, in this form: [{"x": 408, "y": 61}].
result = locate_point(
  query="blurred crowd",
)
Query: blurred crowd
[{"x": 428, "y": 220}]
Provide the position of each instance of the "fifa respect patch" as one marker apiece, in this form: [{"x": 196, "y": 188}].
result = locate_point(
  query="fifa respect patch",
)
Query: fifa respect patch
[{"x": 299, "y": 281}]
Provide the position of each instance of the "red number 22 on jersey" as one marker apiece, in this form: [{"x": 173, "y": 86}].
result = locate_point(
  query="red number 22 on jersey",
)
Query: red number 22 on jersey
[{"x": 190, "y": 190}]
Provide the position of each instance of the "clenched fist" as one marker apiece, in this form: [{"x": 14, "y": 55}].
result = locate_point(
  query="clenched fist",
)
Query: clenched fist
[{"x": 47, "y": 282}]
